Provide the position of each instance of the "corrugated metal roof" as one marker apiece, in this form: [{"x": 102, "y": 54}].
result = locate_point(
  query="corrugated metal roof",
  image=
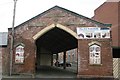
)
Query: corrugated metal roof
[{"x": 3, "y": 38}]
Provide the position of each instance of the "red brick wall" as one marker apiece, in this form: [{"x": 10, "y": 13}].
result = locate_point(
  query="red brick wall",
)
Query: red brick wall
[
  {"x": 108, "y": 13},
  {"x": 119, "y": 24},
  {"x": 105, "y": 69},
  {"x": 29, "y": 61},
  {"x": 4, "y": 60}
]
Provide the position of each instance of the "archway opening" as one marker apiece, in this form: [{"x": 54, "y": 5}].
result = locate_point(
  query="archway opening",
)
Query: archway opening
[{"x": 52, "y": 42}]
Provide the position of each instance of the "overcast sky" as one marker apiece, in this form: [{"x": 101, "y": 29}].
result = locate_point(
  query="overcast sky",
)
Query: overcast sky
[{"x": 27, "y": 9}]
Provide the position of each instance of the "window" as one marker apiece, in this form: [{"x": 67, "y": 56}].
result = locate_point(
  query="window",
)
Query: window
[
  {"x": 19, "y": 54},
  {"x": 94, "y": 54}
]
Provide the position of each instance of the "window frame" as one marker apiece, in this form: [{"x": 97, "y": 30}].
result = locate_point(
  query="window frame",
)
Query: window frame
[
  {"x": 20, "y": 53},
  {"x": 95, "y": 56}
]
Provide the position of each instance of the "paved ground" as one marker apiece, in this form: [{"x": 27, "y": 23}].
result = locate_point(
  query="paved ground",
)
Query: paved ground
[
  {"x": 51, "y": 73},
  {"x": 54, "y": 72},
  {"x": 48, "y": 72}
]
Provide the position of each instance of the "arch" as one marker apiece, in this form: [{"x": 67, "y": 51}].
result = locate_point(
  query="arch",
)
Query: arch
[
  {"x": 43, "y": 31},
  {"x": 19, "y": 44},
  {"x": 94, "y": 42}
]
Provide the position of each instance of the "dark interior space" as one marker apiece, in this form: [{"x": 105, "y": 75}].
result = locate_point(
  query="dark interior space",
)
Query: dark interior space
[
  {"x": 116, "y": 52},
  {"x": 57, "y": 40}
]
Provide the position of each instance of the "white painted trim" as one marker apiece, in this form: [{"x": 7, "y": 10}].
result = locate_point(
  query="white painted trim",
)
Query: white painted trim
[
  {"x": 94, "y": 42},
  {"x": 48, "y": 28},
  {"x": 67, "y": 30},
  {"x": 43, "y": 31}
]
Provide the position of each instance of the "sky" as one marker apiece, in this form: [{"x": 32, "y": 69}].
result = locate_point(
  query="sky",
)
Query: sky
[{"x": 26, "y": 9}]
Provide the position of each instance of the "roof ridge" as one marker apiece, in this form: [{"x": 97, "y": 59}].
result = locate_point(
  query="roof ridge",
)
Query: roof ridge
[{"x": 56, "y": 6}]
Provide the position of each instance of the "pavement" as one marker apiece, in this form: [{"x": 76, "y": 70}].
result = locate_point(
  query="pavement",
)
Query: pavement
[
  {"x": 51, "y": 73},
  {"x": 47, "y": 72},
  {"x": 54, "y": 72}
]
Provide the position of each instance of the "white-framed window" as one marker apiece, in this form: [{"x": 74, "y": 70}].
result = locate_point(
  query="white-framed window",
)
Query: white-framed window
[
  {"x": 95, "y": 54},
  {"x": 19, "y": 54}
]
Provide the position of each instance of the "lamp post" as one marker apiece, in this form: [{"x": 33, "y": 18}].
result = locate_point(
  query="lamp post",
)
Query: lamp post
[{"x": 12, "y": 38}]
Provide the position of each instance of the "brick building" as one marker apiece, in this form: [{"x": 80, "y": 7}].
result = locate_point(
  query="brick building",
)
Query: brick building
[
  {"x": 59, "y": 30},
  {"x": 109, "y": 12},
  {"x": 3, "y": 51}
]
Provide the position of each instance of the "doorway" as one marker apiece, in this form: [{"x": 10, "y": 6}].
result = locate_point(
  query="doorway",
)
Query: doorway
[{"x": 55, "y": 40}]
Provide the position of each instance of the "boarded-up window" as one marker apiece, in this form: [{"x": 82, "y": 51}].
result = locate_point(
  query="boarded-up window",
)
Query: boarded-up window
[
  {"x": 19, "y": 54},
  {"x": 94, "y": 54}
]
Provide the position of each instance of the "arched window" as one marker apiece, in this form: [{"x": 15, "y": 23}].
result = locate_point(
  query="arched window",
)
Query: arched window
[
  {"x": 19, "y": 54},
  {"x": 94, "y": 54}
]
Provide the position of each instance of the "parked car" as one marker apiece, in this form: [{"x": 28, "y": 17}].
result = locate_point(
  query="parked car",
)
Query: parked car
[{"x": 60, "y": 64}]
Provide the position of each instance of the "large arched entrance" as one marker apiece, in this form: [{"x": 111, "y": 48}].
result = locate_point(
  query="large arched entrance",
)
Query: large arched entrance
[{"x": 50, "y": 41}]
